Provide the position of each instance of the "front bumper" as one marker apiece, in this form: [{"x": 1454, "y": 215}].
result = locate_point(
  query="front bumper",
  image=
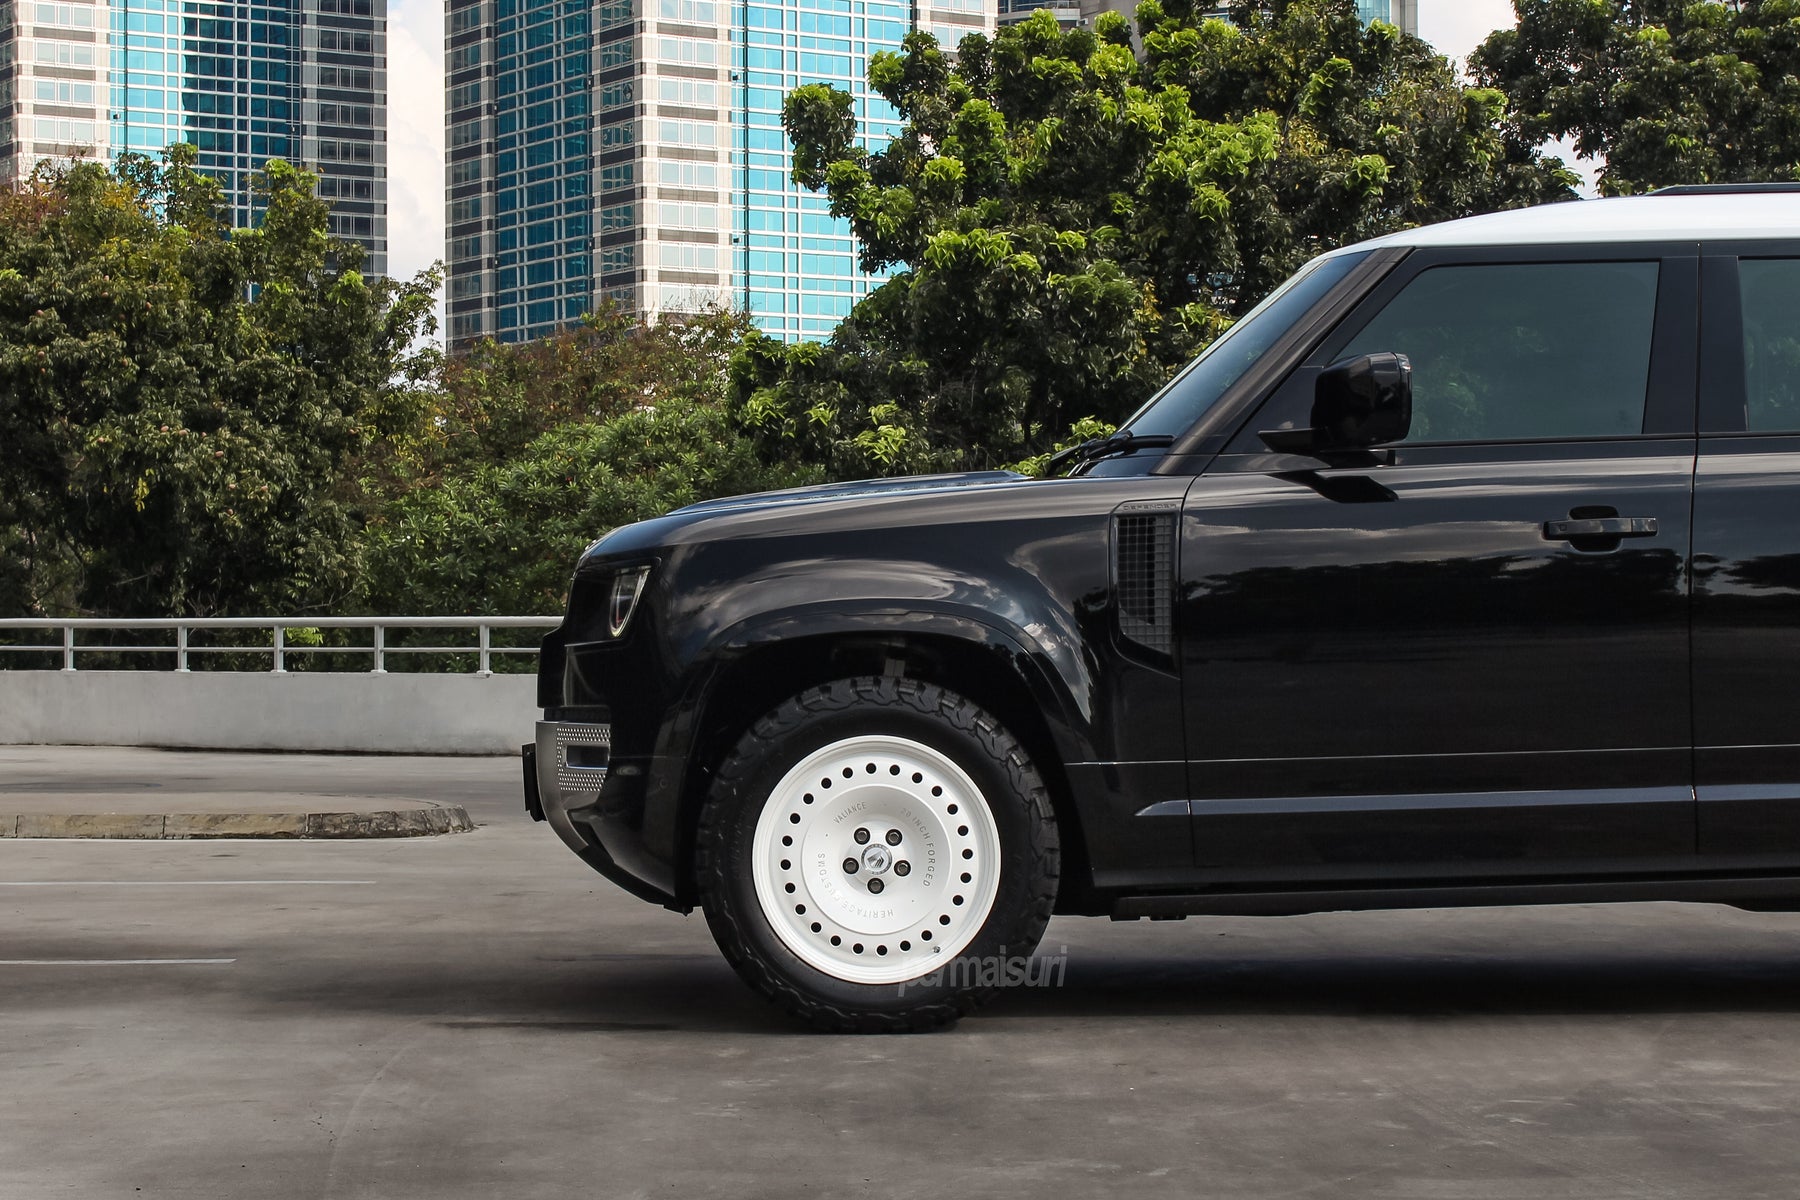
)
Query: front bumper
[{"x": 597, "y": 811}]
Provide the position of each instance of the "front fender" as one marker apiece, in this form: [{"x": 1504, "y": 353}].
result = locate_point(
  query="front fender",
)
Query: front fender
[{"x": 1054, "y": 671}]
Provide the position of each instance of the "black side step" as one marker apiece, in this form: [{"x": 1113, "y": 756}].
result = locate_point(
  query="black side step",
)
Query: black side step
[{"x": 1778, "y": 894}]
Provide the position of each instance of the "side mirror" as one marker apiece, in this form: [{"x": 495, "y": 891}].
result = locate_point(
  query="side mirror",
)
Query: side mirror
[{"x": 1363, "y": 401}]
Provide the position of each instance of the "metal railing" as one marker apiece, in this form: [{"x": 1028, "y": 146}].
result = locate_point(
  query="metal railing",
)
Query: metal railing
[{"x": 278, "y": 646}]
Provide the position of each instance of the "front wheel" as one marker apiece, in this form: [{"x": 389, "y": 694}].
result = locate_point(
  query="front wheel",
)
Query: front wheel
[{"x": 877, "y": 854}]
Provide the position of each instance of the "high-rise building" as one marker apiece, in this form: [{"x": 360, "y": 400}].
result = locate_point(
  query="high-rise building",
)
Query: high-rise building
[
  {"x": 242, "y": 80},
  {"x": 1067, "y": 12},
  {"x": 1404, "y": 13},
  {"x": 633, "y": 150},
  {"x": 53, "y": 95}
]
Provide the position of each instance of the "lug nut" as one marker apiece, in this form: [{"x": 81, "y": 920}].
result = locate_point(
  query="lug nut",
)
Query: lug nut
[
  {"x": 893, "y": 837},
  {"x": 875, "y": 886},
  {"x": 861, "y": 836},
  {"x": 849, "y": 866},
  {"x": 903, "y": 867}
]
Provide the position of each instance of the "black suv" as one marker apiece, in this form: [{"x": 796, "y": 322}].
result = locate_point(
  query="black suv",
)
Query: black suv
[{"x": 1464, "y": 570}]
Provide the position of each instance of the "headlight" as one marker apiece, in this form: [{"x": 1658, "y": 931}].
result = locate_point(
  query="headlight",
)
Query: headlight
[{"x": 622, "y": 599}]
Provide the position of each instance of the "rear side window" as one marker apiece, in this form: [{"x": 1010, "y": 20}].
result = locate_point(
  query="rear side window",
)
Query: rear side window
[
  {"x": 1771, "y": 292},
  {"x": 1504, "y": 352}
]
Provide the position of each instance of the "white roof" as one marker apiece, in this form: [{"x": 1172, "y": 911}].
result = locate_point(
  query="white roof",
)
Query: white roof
[{"x": 1729, "y": 217}]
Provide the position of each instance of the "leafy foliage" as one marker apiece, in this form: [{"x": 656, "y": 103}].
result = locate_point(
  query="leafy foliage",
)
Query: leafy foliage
[
  {"x": 177, "y": 399},
  {"x": 531, "y": 451},
  {"x": 1666, "y": 91},
  {"x": 494, "y": 401},
  {"x": 1075, "y": 221}
]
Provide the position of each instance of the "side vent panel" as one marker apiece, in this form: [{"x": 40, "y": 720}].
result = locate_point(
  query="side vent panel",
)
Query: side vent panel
[{"x": 1144, "y": 579}]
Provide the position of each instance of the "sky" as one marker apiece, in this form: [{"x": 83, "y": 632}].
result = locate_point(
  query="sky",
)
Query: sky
[{"x": 416, "y": 111}]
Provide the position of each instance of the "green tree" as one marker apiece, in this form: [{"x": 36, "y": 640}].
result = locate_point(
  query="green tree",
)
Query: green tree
[
  {"x": 1071, "y": 220},
  {"x": 487, "y": 405},
  {"x": 177, "y": 399},
  {"x": 1665, "y": 91},
  {"x": 528, "y": 452}
]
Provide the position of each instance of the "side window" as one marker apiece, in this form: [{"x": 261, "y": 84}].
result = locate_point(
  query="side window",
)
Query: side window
[
  {"x": 1503, "y": 352},
  {"x": 1771, "y": 292}
]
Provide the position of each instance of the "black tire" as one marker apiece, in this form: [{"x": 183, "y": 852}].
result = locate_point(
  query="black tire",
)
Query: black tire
[{"x": 1029, "y": 853}]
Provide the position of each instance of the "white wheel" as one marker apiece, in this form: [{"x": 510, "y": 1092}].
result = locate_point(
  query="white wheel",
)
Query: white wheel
[
  {"x": 870, "y": 849},
  {"x": 876, "y": 859}
]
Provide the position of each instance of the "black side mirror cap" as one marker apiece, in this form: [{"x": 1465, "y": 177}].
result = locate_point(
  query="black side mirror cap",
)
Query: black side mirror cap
[
  {"x": 1364, "y": 401},
  {"x": 1357, "y": 403}
]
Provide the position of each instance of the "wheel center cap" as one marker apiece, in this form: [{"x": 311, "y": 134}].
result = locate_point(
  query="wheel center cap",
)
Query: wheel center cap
[{"x": 876, "y": 859}]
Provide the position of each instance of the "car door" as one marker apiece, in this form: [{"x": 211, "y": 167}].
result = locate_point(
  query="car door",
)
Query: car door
[
  {"x": 1466, "y": 654},
  {"x": 1747, "y": 560}
]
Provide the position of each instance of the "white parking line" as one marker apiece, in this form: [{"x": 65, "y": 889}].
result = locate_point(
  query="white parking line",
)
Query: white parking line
[
  {"x": 116, "y": 961},
  {"x": 186, "y": 882}
]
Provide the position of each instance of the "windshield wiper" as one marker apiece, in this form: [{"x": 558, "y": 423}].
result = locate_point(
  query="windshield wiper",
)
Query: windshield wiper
[{"x": 1095, "y": 449}]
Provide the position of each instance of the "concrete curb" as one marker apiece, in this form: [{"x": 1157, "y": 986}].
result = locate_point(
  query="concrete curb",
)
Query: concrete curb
[{"x": 410, "y": 822}]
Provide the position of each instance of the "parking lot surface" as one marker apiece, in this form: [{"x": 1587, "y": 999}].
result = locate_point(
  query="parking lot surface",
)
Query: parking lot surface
[{"x": 478, "y": 1015}]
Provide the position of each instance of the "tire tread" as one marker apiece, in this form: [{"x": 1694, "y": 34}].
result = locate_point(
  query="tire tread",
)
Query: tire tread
[{"x": 790, "y": 717}]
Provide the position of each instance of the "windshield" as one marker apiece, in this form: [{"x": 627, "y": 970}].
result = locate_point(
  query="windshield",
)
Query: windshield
[{"x": 1186, "y": 398}]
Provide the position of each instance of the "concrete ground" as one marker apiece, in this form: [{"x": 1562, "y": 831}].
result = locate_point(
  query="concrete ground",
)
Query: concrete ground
[
  {"x": 130, "y": 792},
  {"x": 481, "y": 1016}
]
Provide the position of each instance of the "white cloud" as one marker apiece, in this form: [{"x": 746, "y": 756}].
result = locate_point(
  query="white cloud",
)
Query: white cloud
[
  {"x": 1456, "y": 27},
  {"x": 415, "y": 135}
]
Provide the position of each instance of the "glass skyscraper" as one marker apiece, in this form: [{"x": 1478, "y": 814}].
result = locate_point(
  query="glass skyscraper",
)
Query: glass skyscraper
[
  {"x": 1404, "y": 13},
  {"x": 243, "y": 80},
  {"x": 633, "y": 150},
  {"x": 794, "y": 263},
  {"x": 1068, "y": 13}
]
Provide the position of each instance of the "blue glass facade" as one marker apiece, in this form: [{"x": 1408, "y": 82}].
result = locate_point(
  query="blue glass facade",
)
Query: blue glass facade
[
  {"x": 176, "y": 72},
  {"x": 633, "y": 150},
  {"x": 543, "y": 144},
  {"x": 1404, "y": 13},
  {"x": 249, "y": 80},
  {"x": 146, "y": 75},
  {"x": 796, "y": 267}
]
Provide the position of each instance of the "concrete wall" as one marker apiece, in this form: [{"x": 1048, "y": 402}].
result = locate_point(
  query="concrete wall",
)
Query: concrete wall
[{"x": 218, "y": 710}]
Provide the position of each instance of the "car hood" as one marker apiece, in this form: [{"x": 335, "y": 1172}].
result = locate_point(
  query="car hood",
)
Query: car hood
[
  {"x": 848, "y": 491},
  {"x": 732, "y": 515}
]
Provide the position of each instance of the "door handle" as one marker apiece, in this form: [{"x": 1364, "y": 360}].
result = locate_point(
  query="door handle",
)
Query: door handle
[{"x": 1599, "y": 527}]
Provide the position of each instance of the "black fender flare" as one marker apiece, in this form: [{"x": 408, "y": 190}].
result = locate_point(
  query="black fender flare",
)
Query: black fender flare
[{"x": 1051, "y": 669}]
